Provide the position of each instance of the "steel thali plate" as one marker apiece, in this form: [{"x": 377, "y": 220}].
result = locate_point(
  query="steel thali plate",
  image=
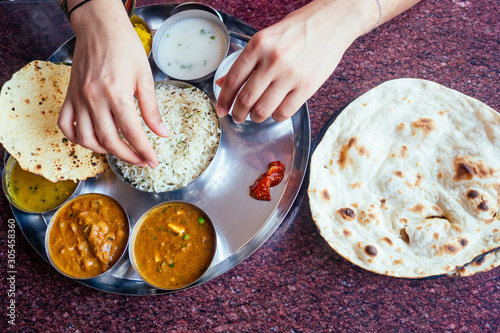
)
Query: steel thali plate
[{"x": 243, "y": 224}]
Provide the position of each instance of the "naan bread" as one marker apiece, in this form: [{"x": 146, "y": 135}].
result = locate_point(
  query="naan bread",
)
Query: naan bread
[
  {"x": 406, "y": 181},
  {"x": 484, "y": 263},
  {"x": 29, "y": 107}
]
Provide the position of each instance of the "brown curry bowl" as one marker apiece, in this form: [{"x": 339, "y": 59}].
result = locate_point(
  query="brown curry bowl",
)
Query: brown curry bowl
[
  {"x": 87, "y": 236},
  {"x": 172, "y": 245}
]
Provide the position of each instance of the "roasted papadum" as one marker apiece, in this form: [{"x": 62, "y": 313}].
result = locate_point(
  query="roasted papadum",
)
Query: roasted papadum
[
  {"x": 406, "y": 181},
  {"x": 29, "y": 107}
]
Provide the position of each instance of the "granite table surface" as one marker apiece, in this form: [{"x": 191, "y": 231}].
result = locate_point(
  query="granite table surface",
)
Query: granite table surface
[{"x": 293, "y": 282}]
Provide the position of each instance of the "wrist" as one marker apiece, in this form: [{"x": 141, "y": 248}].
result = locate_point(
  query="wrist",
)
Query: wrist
[
  {"x": 341, "y": 21},
  {"x": 358, "y": 17},
  {"x": 370, "y": 15},
  {"x": 73, "y": 4},
  {"x": 98, "y": 15}
]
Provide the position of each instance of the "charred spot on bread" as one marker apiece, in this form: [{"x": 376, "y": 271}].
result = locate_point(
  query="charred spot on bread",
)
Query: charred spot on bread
[
  {"x": 483, "y": 206},
  {"x": 450, "y": 248},
  {"x": 387, "y": 240},
  {"x": 471, "y": 194},
  {"x": 344, "y": 158},
  {"x": 325, "y": 195},
  {"x": 347, "y": 213},
  {"x": 371, "y": 250},
  {"x": 418, "y": 208},
  {"x": 426, "y": 125},
  {"x": 466, "y": 169}
]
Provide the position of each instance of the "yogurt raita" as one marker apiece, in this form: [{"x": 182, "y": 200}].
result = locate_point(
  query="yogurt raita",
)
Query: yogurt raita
[{"x": 192, "y": 48}]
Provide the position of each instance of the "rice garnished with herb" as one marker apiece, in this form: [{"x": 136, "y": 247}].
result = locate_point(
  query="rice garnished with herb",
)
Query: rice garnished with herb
[{"x": 187, "y": 152}]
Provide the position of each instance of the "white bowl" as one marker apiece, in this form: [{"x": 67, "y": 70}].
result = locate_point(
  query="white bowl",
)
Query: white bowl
[
  {"x": 221, "y": 71},
  {"x": 190, "y": 45}
]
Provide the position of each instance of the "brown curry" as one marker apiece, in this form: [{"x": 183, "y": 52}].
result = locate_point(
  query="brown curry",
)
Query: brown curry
[
  {"x": 88, "y": 235},
  {"x": 174, "y": 245}
]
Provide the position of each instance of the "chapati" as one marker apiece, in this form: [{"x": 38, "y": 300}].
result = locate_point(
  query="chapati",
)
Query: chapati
[{"x": 406, "y": 182}]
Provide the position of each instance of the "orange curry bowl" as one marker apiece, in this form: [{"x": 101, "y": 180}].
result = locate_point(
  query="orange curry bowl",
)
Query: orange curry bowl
[
  {"x": 172, "y": 245},
  {"x": 87, "y": 236}
]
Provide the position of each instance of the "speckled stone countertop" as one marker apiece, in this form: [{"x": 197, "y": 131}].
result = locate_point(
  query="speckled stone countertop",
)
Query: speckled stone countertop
[{"x": 294, "y": 282}]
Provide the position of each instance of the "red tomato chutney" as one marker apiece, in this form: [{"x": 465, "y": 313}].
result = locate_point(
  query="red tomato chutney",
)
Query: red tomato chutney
[
  {"x": 174, "y": 245},
  {"x": 261, "y": 189}
]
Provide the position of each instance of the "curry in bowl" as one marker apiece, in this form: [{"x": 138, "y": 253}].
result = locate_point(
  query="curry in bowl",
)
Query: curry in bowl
[
  {"x": 32, "y": 193},
  {"x": 172, "y": 245},
  {"x": 87, "y": 236}
]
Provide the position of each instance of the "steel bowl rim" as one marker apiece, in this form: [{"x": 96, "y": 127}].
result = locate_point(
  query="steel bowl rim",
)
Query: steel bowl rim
[
  {"x": 137, "y": 227},
  {"x": 9, "y": 165},
  {"x": 181, "y": 84},
  {"x": 52, "y": 221},
  {"x": 182, "y": 15}
]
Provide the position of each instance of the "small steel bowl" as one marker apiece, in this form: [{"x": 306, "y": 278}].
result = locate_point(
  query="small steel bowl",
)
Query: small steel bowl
[
  {"x": 55, "y": 218},
  {"x": 182, "y": 15},
  {"x": 113, "y": 160},
  {"x": 8, "y": 167},
  {"x": 134, "y": 19},
  {"x": 131, "y": 249},
  {"x": 195, "y": 5}
]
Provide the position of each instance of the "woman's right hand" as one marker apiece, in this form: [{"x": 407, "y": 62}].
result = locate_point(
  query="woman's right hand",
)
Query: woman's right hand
[{"x": 109, "y": 68}]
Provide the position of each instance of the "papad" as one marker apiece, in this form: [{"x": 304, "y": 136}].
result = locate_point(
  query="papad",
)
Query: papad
[{"x": 29, "y": 107}]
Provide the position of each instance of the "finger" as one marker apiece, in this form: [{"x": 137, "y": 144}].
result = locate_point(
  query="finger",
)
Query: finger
[
  {"x": 66, "y": 121},
  {"x": 235, "y": 78},
  {"x": 290, "y": 105},
  {"x": 220, "y": 81},
  {"x": 128, "y": 121},
  {"x": 251, "y": 92},
  {"x": 85, "y": 133},
  {"x": 268, "y": 102},
  {"x": 148, "y": 104},
  {"x": 108, "y": 136}
]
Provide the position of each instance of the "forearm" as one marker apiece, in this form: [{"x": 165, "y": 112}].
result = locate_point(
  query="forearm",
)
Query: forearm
[
  {"x": 68, "y": 5},
  {"x": 102, "y": 17},
  {"x": 349, "y": 19},
  {"x": 284, "y": 64},
  {"x": 376, "y": 12},
  {"x": 392, "y": 8}
]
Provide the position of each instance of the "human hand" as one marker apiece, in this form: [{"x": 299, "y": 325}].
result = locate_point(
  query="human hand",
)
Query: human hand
[
  {"x": 109, "y": 67},
  {"x": 283, "y": 65}
]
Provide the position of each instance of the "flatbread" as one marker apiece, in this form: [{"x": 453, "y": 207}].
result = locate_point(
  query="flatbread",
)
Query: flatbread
[
  {"x": 482, "y": 264},
  {"x": 29, "y": 107},
  {"x": 406, "y": 181}
]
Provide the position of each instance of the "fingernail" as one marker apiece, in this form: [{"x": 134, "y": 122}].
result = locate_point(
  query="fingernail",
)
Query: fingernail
[
  {"x": 164, "y": 130},
  {"x": 220, "y": 81},
  {"x": 141, "y": 164},
  {"x": 221, "y": 112},
  {"x": 152, "y": 164}
]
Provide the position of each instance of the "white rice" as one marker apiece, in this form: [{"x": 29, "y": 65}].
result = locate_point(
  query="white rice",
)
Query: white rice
[{"x": 187, "y": 152}]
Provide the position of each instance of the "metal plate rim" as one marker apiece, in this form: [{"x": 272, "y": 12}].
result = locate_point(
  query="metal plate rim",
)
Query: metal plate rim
[{"x": 300, "y": 123}]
